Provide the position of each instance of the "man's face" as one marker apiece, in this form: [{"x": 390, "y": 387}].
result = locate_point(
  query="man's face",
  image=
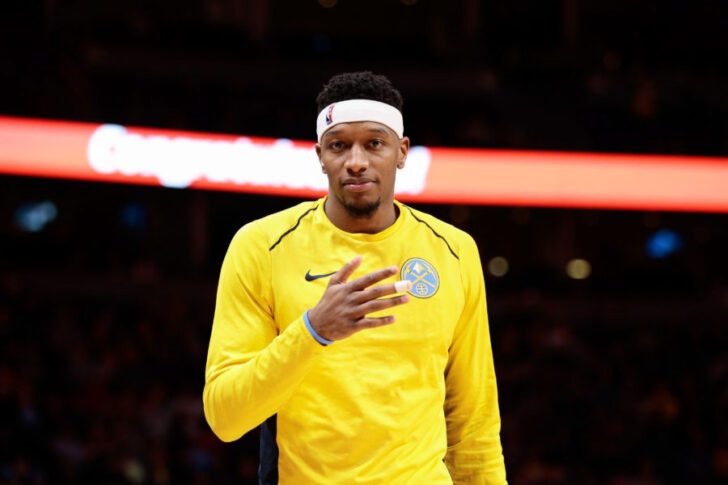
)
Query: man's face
[{"x": 360, "y": 160}]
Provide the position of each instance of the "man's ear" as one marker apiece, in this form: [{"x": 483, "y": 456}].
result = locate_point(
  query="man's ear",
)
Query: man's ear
[
  {"x": 318, "y": 154},
  {"x": 404, "y": 146}
]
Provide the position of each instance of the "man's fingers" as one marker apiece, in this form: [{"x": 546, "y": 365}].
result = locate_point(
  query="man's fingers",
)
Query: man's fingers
[
  {"x": 382, "y": 290},
  {"x": 372, "y": 322},
  {"x": 381, "y": 304},
  {"x": 346, "y": 271},
  {"x": 373, "y": 277},
  {"x": 402, "y": 286}
]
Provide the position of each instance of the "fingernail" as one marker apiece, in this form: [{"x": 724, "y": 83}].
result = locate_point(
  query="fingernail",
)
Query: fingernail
[{"x": 402, "y": 286}]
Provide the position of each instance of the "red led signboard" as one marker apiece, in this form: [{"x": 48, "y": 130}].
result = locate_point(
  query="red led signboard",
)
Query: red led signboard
[{"x": 114, "y": 153}]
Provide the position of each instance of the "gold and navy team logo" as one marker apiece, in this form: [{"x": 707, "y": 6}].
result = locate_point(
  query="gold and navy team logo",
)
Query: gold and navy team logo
[{"x": 423, "y": 276}]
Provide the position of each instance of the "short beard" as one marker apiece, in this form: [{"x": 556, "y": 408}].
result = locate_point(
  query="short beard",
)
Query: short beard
[{"x": 363, "y": 212}]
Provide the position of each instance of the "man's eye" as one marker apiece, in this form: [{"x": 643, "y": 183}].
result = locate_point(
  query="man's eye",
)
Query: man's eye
[
  {"x": 376, "y": 143},
  {"x": 336, "y": 145}
]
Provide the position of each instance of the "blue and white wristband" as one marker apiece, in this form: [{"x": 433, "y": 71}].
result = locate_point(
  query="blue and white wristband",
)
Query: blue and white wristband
[{"x": 313, "y": 333}]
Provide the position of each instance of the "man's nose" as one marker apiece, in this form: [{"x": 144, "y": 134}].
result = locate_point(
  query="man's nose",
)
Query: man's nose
[{"x": 357, "y": 160}]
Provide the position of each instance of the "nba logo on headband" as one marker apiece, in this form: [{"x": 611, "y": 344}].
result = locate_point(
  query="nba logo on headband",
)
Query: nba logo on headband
[{"x": 330, "y": 115}]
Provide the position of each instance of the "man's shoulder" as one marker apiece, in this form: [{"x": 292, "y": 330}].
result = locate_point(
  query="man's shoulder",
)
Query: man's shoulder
[
  {"x": 269, "y": 229},
  {"x": 455, "y": 236},
  {"x": 287, "y": 218}
]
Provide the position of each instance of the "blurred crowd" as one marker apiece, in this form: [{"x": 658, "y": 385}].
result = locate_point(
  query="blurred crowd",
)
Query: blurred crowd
[
  {"x": 108, "y": 391},
  {"x": 618, "y": 398},
  {"x": 102, "y": 355},
  {"x": 572, "y": 75},
  {"x": 104, "y": 391}
]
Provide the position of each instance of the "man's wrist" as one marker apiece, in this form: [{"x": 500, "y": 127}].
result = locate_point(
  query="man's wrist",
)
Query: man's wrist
[{"x": 317, "y": 337}]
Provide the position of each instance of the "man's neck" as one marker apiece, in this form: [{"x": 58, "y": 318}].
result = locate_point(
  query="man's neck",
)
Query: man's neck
[{"x": 385, "y": 215}]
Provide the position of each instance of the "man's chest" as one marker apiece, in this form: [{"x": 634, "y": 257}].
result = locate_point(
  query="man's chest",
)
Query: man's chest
[{"x": 300, "y": 276}]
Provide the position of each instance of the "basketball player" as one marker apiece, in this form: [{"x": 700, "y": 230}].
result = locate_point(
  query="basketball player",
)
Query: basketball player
[{"x": 354, "y": 327}]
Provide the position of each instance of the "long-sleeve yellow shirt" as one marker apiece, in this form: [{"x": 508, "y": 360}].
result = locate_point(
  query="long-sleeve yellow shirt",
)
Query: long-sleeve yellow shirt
[{"x": 414, "y": 402}]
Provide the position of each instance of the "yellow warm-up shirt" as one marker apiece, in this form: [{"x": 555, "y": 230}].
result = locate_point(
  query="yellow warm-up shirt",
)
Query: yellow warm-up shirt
[{"x": 414, "y": 402}]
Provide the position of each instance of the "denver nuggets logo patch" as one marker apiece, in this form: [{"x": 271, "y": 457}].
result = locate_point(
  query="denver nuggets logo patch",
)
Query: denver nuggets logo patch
[{"x": 423, "y": 276}]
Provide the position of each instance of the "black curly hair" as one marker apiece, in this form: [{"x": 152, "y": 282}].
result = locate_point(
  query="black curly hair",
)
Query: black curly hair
[{"x": 359, "y": 85}]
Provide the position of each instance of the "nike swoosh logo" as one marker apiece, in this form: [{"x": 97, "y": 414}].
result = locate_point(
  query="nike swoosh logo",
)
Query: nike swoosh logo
[{"x": 311, "y": 277}]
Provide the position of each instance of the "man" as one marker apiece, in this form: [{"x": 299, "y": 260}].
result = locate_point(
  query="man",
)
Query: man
[{"x": 356, "y": 377}]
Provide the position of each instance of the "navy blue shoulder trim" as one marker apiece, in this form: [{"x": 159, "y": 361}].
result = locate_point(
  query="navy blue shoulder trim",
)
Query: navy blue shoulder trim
[
  {"x": 434, "y": 232},
  {"x": 293, "y": 228}
]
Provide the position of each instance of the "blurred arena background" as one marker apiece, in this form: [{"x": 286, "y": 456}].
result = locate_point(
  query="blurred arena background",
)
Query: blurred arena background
[{"x": 609, "y": 326}]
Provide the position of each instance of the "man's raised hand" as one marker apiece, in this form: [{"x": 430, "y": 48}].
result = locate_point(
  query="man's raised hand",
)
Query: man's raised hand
[{"x": 343, "y": 309}]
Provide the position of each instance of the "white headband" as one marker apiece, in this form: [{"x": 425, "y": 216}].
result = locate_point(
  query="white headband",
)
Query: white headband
[{"x": 359, "y": 110}]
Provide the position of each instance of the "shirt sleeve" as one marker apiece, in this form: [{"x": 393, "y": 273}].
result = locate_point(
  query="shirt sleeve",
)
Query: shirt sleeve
[
  {"x": 474, "y": 453},
  {"x": 252, "y": 370}
]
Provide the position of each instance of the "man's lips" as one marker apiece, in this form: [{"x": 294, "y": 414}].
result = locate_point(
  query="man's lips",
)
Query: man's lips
[{"x": 358, "y": 185}]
